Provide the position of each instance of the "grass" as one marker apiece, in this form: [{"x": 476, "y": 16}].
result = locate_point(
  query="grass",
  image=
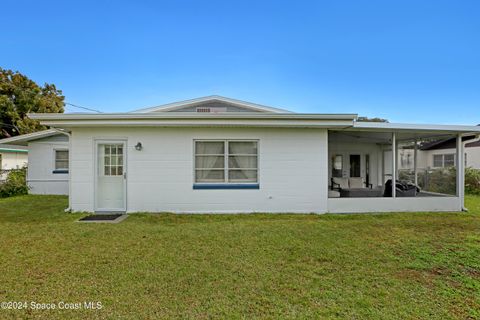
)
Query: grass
[{"x": 378, "y": 266}]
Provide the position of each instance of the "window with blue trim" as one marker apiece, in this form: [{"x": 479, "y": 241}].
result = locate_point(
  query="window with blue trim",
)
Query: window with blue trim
[
  {"x": 226, "y": 161},
  {"x": 61, "y": 160}
]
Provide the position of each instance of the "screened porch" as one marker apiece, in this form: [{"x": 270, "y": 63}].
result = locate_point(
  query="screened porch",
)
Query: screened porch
[{"x": 401, "y": 164}]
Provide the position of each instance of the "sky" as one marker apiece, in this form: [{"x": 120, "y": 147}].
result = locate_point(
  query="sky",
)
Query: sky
[{"x": 406, "y": 61}]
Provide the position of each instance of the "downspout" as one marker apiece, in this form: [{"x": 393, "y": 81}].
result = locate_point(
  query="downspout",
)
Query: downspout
[
  {"x": 394, "y": 165},
  {"x": 69, "y": 135},
  {"x": 464, "y": 143},
  {"x": 415, "y": 162}
]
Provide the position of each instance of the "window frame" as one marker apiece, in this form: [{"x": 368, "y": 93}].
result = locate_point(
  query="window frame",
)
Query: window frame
[
  {"x": 453, "y": 162},
  {"x": 442, "y": 155},
  {"x": 110, "y": 156},
  {"x": 60, "y": 170},
  {"x": 434, "y": 161},
  {"x": 226, "y": 168},
  {"x": 333, "y": 170}
]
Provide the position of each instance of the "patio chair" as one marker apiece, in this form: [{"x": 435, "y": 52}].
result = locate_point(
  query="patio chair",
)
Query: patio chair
[
  {"x": 349, "y": 183},
  {"x": 402, "y": 189}
]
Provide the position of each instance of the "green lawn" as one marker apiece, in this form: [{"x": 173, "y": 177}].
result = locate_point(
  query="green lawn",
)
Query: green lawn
[{"x": 380, "y": 266}]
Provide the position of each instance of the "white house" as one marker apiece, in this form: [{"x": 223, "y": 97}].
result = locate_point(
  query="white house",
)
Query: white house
[
  {"x": 442, "y": 154},
  {"x": 47, "y": 160},
  {"x": 11, "y": 157},
  {"x": 220, "y": 155}
]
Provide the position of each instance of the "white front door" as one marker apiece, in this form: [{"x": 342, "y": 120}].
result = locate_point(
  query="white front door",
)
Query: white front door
[{"x": 110, "y": 191}]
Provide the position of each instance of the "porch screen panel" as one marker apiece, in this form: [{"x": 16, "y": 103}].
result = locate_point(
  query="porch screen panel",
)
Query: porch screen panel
[{"x": 435, "y": 172}]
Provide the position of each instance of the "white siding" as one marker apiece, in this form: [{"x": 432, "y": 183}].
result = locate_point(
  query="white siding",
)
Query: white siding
[
  {"x": 292, "y": 170},
  {"x": 41, "y": 178},
  {"x": 473, "y": 157},
  {"x": 358, "y": 205}
]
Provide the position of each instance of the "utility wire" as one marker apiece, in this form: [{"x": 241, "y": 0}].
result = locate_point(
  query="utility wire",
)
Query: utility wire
[
  {"x": 67, "y": 103},
  {"x": 77, "y": 106}
]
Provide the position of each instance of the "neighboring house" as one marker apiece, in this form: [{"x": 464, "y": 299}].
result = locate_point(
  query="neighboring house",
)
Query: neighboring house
[
  {"x": 442, "y": 154},
  {"x": 220, "y": 155},
  {"x": 11, "y": 157},
  {"x": 47, "y": 160}
]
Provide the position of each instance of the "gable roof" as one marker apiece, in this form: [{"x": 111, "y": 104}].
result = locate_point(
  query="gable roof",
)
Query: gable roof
[
  {"x": 23, "y": 139},
  {"x": 449, "y": 143},
  {"x": 198, "y": 101}
]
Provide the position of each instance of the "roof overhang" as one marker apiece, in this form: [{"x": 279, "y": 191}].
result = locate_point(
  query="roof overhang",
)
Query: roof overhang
[
  {"x": 421, "y": 128},
  {"x": 182, "y": 119},
  {"x": 23, "y": 139},
  {"x": 380, "y": 132}
]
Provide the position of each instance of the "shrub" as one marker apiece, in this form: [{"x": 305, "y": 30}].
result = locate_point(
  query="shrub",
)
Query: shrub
[
  {"x": 16, "y": 183},
  {"x": 472, "y": 181},
  {"x": 441, "y": 180},
  {"x": 444, "y": 180}
]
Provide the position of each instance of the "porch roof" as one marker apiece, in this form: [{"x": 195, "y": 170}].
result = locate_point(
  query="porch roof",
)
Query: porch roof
[
  {"x": 420, "y": 128},
  {"x": 23, "y": 139}
]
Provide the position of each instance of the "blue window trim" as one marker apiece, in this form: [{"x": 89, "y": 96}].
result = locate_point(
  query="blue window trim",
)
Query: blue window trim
[
  {"x": 60, "y": 171},
  {"x": 218, "y": 186}
]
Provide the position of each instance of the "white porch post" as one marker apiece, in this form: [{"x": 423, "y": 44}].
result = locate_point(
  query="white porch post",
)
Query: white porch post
[
  {"x": 460, "y": 172},
  {"x": 394, "y": 165},
  {"x": 415, "y": 169}
]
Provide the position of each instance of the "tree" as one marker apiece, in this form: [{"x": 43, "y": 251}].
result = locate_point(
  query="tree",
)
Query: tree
[
  {"x": 367, "y": 119},
  {"x": 19, "y": 96}
]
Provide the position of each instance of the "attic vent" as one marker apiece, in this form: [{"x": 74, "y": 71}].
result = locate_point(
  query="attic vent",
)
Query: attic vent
[{"x": 211, "y": 109}]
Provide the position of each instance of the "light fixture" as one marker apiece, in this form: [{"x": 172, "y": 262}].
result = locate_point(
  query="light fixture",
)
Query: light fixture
[{"x": 138, "y": 146}]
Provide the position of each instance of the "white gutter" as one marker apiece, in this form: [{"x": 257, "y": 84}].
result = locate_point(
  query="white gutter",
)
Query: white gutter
[
  {"x": 188, "y": 115},
  {"x": 206, "y": 124},
  {"x": 180, "y": 119}
]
